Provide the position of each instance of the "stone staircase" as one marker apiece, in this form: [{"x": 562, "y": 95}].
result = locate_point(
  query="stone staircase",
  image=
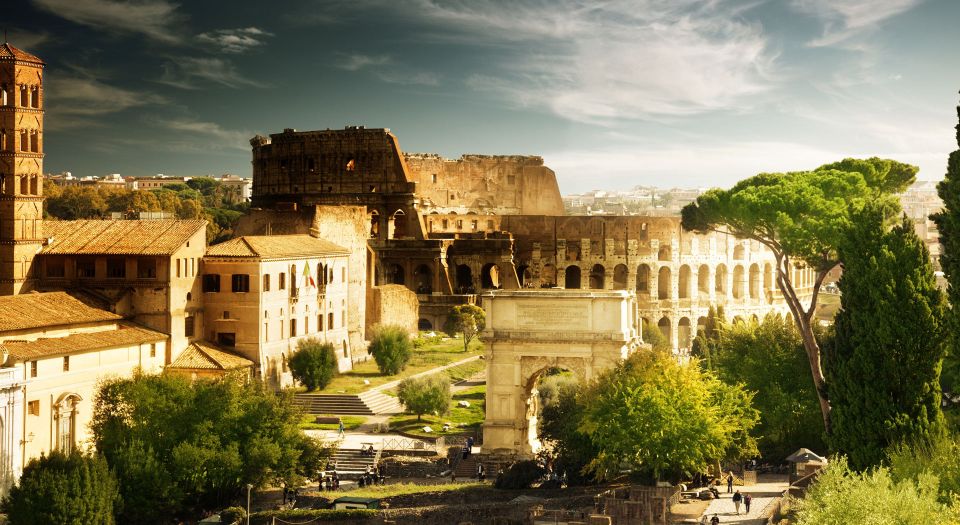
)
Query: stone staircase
[
  {"x": 466, "y": 468},
  {"x": 365, "y": 404},
  {"x": 350, "y": 463}
]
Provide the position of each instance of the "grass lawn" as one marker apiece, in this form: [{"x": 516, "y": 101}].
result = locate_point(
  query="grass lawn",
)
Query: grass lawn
[
  {"x": 402, "y": 489},
  {"x": 470, "y": 417},
  {"x": 349, "y": 422},
  {"x": 423, "y": 359}
]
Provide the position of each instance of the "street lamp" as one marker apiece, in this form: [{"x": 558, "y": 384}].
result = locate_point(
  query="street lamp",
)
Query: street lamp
[{"x": 249, "y": 486}]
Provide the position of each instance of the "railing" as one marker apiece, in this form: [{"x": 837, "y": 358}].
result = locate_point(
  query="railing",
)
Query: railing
[{"x": 409, "y": 444}]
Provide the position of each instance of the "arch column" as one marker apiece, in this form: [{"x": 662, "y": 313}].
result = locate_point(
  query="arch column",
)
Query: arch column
[
  {"x": 674, "y": 282},
  {"x": 654, "y": 284},
  {"x": 631, "y": 279},
  {"x": 585, "y": 277}
]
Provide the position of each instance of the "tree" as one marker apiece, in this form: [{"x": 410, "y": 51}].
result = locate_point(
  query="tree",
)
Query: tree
[
  {"x": 313, "y": 364},
  {"x": 62, "y": 489},
  {"x": 801, "y": 217},
  {"x": 948, "y": 225},
  {"x": 706, "y": 344},
  {"x": 468, "y": 320},
  {"x": 568, "y": 448},
  {"x": 656, "y": 339},
  {"x": 391, "y": 348},
  {"x": 664, "y": 419},
  {"x": 425, "y": 395},
  {"x": 768, "y": 358},
  {"x": 179, "y": 446},
  {"x": 884, "y": 363}
]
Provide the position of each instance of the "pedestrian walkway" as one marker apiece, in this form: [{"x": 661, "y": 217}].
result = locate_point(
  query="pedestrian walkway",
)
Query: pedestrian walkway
[
  {"x": 764, "y": 495},
  {"x": 392, "y": 384}
]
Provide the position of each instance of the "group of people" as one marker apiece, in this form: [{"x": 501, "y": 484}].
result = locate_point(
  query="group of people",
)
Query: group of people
[
  {"x": 372, "y": 476},
  {"x": 738, "y": 499},
  {"x": 368, "y": 451},
  {"x": 330, "y": 481}
]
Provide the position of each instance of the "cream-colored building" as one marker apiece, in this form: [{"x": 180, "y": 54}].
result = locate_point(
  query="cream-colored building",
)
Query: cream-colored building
[
  {"x": 61, "y": 348},
  {"x": 264, "y": 294}
]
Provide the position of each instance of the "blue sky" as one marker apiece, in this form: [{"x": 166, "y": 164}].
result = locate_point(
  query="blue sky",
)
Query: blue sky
[{"x": 612, "y": 94}]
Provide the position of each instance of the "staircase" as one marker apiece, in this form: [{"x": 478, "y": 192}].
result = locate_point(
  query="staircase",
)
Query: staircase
[
  {"x": 466, "y": 468},
  {"x": 366, "y": 404},
  {"x": 350, "y": 463}
]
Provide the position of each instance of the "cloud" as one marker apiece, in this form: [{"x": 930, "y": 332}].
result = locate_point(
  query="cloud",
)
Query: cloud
[
  {"x": 222, "y": 138},
  {"x": 153, "y": 18},
  {"x": 844, "y": 19},
  {"x": 28, "y": 41},
  {"x": 73, "y": 100},
  {"x": 237, "y": 40},
  {"x": 357, "y": 61},
  {"x": 614, "y": 60},
  {"x": 387, "y": 69},
  {"x": 188, "y": 72}
]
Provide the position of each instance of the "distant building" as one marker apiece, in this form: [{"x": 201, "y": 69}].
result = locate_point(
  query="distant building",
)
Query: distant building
[{"x": 238, "y": 189}]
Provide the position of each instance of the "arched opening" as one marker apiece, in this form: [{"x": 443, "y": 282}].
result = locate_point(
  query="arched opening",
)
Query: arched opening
[
  {"x": 664, "y": 326},
  {"x": 423, "y": 279},
  {"x": 738, "y": 281},
  {"x": 643, "y": 279},
  {"x": 65, "y": 421},
  {"x": 490, "y": 276},
  {"x": 548, "y": 276},
  {"x": 754, "y": 281},
  {"x": 571, "y": 279},
  {"x": 524, "y": 275},
  {"x": 399, "y": 222},
  {"x": 597, "y": 277},
  {"x": 543, "y": 389},
  {"x": 721, "y": 280},
  {"x": 374, "y": 225},
  {"x": 684, "y": 282},
  {"x": 768, "y": 281},
  {"x": 620, "y": 277},
  {"x": 703, "y": 279},
  {"x": 663, "y": 283},
  {"x": 395, "y": 274},
  {"x": 683, "y": 333},
  {"x": 464, "y": 279},
  {"x": 664, "y": 253},
  {"x": 738, "y": 252},
  {"x": 424, "y": 324}
]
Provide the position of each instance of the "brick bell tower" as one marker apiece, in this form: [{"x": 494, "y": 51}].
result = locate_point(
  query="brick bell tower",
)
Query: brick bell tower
[{"x": 21, "y": 167}]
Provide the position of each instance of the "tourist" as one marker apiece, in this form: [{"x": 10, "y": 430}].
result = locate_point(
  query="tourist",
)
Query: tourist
[
  {"x": 715, "y": 520},
  {"x": 479, "y": 472},
  {"x": 737, "y": 498},
  {"x": 747, "y": 500},
  {"x": 340, "y": 425},
  {"x": 730, "y": 483}
]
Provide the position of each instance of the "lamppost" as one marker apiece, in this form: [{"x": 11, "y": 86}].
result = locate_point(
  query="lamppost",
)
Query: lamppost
[{"x": 249, "y": 486}]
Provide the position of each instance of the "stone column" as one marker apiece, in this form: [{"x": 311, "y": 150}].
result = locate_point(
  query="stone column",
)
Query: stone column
[
  {"x": 674, "y": 333},
  {"x": 654, "y": 286}
]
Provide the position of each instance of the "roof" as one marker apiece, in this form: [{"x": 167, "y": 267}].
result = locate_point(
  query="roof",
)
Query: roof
[
  {"x": 8, "y": 52},
  {"x": 205, "y": 356},
  {"x": 275, "y": 246},
  {"x": 119, "y": 237},
  {"x": 125, "y": 335},
  {"x": 38, "y": 310},
  {"x": 356, "y": 499},
  {"x": 804, "y": 455}
]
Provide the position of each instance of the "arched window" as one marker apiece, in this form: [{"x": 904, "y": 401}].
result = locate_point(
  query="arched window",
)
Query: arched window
[
  {"x": 572, "y": 278},
  {"x": 598, "y": 277},
  {"x": 65, "y": 422}
]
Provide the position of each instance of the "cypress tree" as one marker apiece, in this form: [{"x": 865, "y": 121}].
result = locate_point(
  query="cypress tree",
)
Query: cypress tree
[
  {"x": 883, "y": 366},
  {"x": 948, "y": 223}
]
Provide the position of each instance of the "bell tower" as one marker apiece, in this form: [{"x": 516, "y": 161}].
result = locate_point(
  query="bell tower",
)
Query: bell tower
[{"x": 21, "y": 167}]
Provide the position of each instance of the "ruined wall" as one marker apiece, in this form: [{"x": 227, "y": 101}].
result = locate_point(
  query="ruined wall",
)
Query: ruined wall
[
  {"x": 492, "y": 184},
  {"x": 392, "y": 304}
]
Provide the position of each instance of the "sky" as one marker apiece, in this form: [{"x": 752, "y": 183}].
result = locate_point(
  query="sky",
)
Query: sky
[{"x": 612, "y": 94}]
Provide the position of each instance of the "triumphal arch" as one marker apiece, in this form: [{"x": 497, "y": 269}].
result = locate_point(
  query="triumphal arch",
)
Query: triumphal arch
[{"x": 531, "y": 332}]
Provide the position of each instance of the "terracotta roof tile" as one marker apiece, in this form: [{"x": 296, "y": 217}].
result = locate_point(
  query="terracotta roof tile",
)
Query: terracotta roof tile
[
  {"x": 126, "y": 335},
  {"x": 38, "y": 310},
  {"x": 119, "y": 237},
  {"x": 8, "y": 52},
  {"x": 204, "y": 356},
  {"x": 275, "y": 246}
]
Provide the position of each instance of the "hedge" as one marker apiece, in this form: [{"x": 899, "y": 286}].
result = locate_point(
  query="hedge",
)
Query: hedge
[{"x": 264, "y": 517}]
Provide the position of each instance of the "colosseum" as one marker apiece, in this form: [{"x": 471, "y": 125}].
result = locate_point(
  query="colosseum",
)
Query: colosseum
[{"x": 450, "y": 229}]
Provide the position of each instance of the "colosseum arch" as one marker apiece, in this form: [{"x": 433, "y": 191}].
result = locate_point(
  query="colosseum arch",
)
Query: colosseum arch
[
  {"x": 703, "y": 280},
  {"x": 571, "y": 279},
  {"x": 738, "y": 281},
  {"x": 643, "y": 279},
  {"x": 490, "y": 277},
  {"x": 548, "y": 276},
  {"x": 620, "y": 277},
  {"x": 684, "y": 280},
  {"x": 738, "y": 252},
  {"x": 754, "y": 281},
  {"x": 464, "y": 278},
  {"x": 395, "y": 274},
  {"x": 768, "y": 281},
  {"x": 684, "y": 337},
  {"x": 664, "y": 254},
  {"x": 525, "y": 275},
  {"x": 398, "y": 225},
  {"x": 374, "y": 224},
  {"x": 664, "y": 326},
  {"x": 598, "y": 277},
  {"x": 423, "y": 279},
  {"x": 663, "y": 283},
  {"x": 721, "y": 280}
]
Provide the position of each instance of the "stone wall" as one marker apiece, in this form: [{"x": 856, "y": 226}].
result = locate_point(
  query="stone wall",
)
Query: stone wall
[{"x": 392, "y": 304}]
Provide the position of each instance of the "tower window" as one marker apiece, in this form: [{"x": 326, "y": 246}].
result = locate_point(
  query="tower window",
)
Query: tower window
[{"x": 351, "y": 165}]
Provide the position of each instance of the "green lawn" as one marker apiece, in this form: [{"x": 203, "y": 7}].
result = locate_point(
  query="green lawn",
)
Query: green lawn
[
  {"x": 424, "y": 358},
  {"x": 470, "y": 417},
  {"x": 349, "y": 422},
  {"x": 401, "y": 489}
]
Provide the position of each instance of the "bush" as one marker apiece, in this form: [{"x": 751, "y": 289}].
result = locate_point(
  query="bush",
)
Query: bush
[
  {"x": 314, "y": 515},
  {"x": 313, "y": 364},
  {"x": 520, "y": 475},
  {"x": 391, "y": 348},
  {"x": 467, "y": 320},
  {"x": 425, "y": 395},
  {"x": 63, "y": 489},
  {"x": 232, "y": 515}
]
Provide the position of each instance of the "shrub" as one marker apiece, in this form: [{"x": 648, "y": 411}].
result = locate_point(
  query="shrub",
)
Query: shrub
[
  {"x": 467, "y": 320},
  {"x": 519, "y": 475},
  {"x": 232, "y": 515},
  {"x": 313, "y": 364},
  {"x": 425, "y": 395},
  {"x": 391, "y": 348},
  {"x": 64, "y": 489},
  {"x": 313, "y": 515}
]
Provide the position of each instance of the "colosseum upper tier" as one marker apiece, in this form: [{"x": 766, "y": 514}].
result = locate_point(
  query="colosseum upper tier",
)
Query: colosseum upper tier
[{"x": 450, "y": 229}]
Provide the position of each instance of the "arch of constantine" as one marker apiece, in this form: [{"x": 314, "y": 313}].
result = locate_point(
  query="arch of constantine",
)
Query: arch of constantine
[{"x": 529, "y": 333}]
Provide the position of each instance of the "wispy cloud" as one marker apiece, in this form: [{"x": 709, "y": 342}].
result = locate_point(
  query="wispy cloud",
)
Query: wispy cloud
[
  {"x": 190, "y": 72},
  {"x": 153, "y": 18},
  {"x": 600, "y": 62},
  {"x": 77, "y": 100},
  {"x": 844, "y": 19},
  {"x": 28, "y": 41},
  {"x": 237, "y": 40},
  {"x": 211, "y": 133},
  {"x": 387, "y": 69}
]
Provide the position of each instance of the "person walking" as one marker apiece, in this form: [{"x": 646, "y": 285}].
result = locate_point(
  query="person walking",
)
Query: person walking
[
  {"x": 730, "y": 483},
  {"x": 340, "y": 426},
  {"x": 715, "y": 520},
  {"x": 747, "y": 500},
  {"x": 737, "y": 498}
]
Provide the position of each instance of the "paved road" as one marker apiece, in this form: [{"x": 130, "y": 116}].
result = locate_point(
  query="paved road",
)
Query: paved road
[
  {"x": 391, "y": 384},
  {"x": 764, "y": 494}
]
